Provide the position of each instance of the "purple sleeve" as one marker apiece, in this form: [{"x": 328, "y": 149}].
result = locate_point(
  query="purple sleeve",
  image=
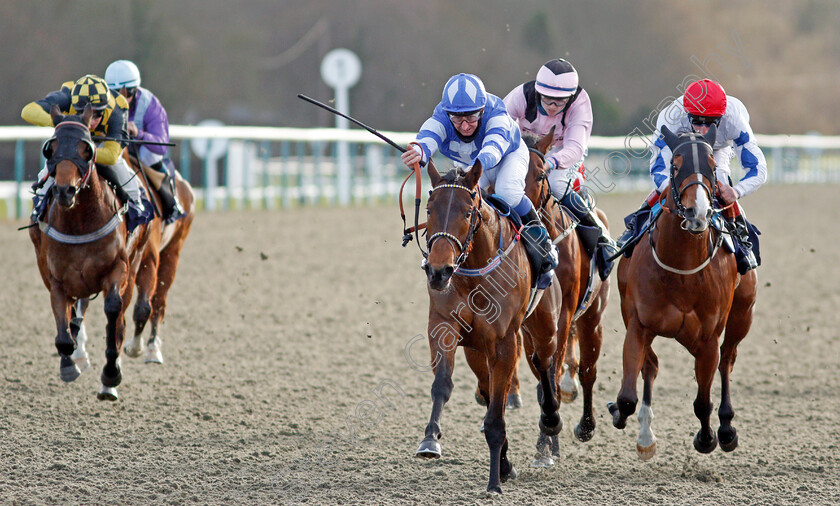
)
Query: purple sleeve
[{"x": 156, "y": 127}]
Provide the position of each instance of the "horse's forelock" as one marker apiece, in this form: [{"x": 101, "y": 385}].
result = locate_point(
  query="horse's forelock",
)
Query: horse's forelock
[
  {"x": 531, "y": 139},
  {"x": 454, "y": 176}
]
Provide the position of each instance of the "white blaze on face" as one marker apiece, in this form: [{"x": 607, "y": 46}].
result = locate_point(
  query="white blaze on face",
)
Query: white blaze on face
[{"x": 701, "y": 198}]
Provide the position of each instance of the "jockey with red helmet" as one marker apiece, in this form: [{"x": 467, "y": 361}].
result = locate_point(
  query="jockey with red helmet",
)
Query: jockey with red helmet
[
  {"x": 703, "y": 104},
  {"x": 555, "y": 99},
  {"x": 470, "y": 125}
]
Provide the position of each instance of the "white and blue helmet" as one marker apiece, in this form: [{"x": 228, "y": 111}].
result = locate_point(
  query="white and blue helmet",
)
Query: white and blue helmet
[{"x": 463, "y": 93}]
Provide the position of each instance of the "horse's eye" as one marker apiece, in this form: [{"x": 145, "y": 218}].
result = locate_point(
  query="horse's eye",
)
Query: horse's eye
[
  {"x": 428, "y": 212},
  {"x": 469, "y": 214}
]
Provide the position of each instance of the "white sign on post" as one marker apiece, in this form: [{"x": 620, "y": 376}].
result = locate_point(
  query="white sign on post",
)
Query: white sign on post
[
  {"x": 341, "y": 69},
  {"x": 209, "y": 150}
]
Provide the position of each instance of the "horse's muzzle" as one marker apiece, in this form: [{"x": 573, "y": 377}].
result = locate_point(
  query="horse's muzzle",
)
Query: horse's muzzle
[
  {"x": 65, "y": 195},
  {"x": 439, "y": 277}
]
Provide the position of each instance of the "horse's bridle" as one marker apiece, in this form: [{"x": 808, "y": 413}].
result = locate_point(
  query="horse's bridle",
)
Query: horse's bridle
[
  {"x": 464, "y": 247},
  {"x": 83, "y": 165},
  {"x": 676, "y": 192}
]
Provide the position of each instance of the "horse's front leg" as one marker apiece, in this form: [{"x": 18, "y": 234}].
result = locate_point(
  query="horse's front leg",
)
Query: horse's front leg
[
  {"x": 591, "y": 339},
  {"x": 77, "y": 330},
  {"x": 646, "y": 442},
  {"x": 501, "y": 364},
  {"x": 64, "y": 342},
  {"x": 569, "y": 382},
  {"x": 443, "y": 364},
  {"x": 705, "y": 364},
  {"x": 636, "y": 341},
  {"x": 111, "y": 376}
]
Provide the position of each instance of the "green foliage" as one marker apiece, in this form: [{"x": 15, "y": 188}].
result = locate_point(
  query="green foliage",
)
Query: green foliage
[{"x": 536, "y": 34}]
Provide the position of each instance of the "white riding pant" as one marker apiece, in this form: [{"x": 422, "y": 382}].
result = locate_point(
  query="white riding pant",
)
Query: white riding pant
[
  {"x": 148, "y": 157},
  {"x": 508, "y": 176}
]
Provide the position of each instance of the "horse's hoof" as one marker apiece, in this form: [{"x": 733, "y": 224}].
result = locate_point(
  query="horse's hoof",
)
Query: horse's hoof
[
  {"x": 551, "y": 430},
  {"x": 480, "y": 399},
  {"x": 494, "y": 491},
  {"x": 107, "y": 394},
  {"x": 153, "y": 353},
  {"x": 542, "y": 461},
  {"x": 83, "y": 363},
  {"x": 584, "y": 434},
  {"x": 134, "y": 347},
  {"x": 511, "y": 475},
  {"x": 110, "y": 380},
  {"x": 429, "y": 449},
  {"x": 569, "y": 387},
  {"x": 646, "y": 453},
  {"x": 728, "y": 439},
  {"x": 618, "y": 421},
  {"x": 514, "y": 401},
  {"x": 68, "y": 370},
  {"x": 706, "y": 446}
]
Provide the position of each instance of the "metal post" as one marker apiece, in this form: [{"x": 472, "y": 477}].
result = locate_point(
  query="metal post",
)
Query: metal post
[{"x": 20, "y": 155}]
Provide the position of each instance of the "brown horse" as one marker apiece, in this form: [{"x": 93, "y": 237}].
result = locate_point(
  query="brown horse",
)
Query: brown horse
[
  {"x": 479, "y": 281},
  {"x": 579, "y": 315},
  {"x": 83, "y": 248},
  {"x": 157, "y": 269},
  {"x": 677, "y": 285}
]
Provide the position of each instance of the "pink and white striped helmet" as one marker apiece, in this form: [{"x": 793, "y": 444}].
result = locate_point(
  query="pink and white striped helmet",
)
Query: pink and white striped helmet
[{"x": 557, "y": 78}]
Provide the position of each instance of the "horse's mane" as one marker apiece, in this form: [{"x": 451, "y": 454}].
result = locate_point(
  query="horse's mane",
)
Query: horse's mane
[
  {"x": 454, "y": 176},
  {"x": 531, "y": 139}
]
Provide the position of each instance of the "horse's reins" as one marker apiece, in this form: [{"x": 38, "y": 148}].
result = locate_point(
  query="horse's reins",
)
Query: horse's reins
[
  {"x": 680, "y": 210},
  {"x": 545, "y": 195}
]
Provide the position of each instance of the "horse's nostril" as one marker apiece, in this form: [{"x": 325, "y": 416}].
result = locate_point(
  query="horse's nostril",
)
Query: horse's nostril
[{"x": 447, "y": 271}]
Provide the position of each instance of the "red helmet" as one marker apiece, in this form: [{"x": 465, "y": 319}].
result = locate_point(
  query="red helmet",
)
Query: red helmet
[{"x": 705, "y": 98}]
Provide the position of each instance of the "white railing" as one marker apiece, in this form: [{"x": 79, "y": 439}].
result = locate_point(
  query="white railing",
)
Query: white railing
[{"x": 268, "y": 167}]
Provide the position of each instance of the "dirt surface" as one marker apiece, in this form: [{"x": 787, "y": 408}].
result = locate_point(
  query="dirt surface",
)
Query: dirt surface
[{"x": 285, "y": 381}]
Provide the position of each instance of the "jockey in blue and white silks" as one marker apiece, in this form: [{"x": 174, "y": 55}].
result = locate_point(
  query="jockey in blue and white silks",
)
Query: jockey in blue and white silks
[{"x": 470, "y": 124}]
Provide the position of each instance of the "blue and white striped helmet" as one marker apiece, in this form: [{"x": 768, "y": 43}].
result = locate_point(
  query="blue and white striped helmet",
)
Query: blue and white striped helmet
[{"x": 463, "y": 93}]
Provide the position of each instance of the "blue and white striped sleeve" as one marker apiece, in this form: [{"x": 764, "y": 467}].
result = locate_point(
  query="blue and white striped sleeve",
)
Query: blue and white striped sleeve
[
  {"x": 430, "y": 137},
  {"x": 753, "y": 162},
  {"x": 497, "y": 140},
  {"x": 659, "y": 162}
]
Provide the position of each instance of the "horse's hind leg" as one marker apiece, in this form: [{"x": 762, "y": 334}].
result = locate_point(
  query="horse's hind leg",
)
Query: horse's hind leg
[
  {"x": 646, "y": 442},
  {"x": 145, "y": 281},
  {"x": 167, "y": 266},
  {"x": 569, "y": 382},
  {"x": 514, "y": 400},
  {"x": 706, "y": 361},
  {"x": 478, "y": 364},
  {"x": 77, "y": 330},
  {"x": 737, "y": 326}
]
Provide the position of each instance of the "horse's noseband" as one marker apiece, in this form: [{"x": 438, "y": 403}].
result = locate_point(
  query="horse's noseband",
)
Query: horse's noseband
[
  {"x": 697, "y": 168},
  {"x": 475, "y": 220}
]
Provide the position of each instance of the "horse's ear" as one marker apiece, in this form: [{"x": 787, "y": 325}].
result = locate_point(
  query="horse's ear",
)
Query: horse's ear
[
  {"x": 472, "y": 177},
  {"x": 55, "y": 114},
  {"x": 546, "y": 141},
  {"x": 434, "y": 175},
  {"x": 669, "y": 137},
  {"x": 87, "y": 114},
  {"x": 711, "y": 135}
]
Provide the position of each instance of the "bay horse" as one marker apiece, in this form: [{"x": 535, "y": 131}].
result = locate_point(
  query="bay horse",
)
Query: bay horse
[
  {"x": 479, "y": 283},
  {"x": 83, "y": 248},
  {"x": 582, "y": 307},
  {"x": 676, "y": 285}
]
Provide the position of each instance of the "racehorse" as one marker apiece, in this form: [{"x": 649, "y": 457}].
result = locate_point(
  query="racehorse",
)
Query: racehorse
[
  {"x": 676, "y": 285},
  {"x": 157, "y": 270},
  {"x": 579, "y": 315},
  {"x": 83, "y": 248},
  {"x": 479, "y": 283}
]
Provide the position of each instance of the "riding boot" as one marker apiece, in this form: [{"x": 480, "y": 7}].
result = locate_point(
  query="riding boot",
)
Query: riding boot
[
  {"x": 746, "y": 259},
  {"x": 606, "y": 246},
  {"x": 40, "y": 191},
  {"x": 636, "y": 220},
  {"x": 537, "y": 237},
  {"x": 172, "y": 208},
  {"x": 109, "y": 174}
]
